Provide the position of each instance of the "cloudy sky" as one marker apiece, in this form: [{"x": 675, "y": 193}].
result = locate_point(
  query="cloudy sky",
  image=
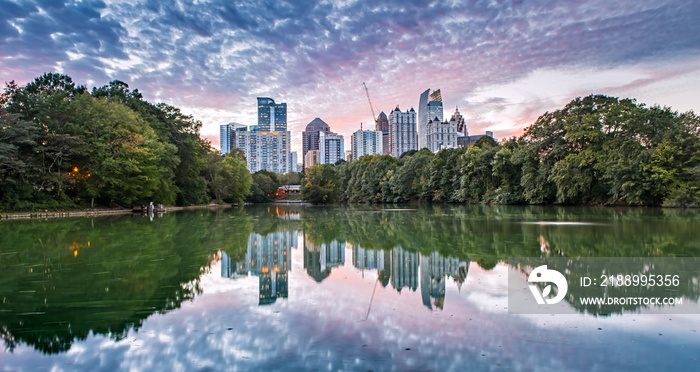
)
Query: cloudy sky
[{"x": 503, "y": 63}]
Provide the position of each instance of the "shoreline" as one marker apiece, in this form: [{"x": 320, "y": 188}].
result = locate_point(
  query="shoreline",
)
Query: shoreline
[{"x": 96, "y": 212}]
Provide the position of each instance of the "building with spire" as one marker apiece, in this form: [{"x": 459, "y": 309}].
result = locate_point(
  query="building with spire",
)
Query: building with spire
[
  {"x": 460, "y": 123},
  {"x": 402, "y": 131}
]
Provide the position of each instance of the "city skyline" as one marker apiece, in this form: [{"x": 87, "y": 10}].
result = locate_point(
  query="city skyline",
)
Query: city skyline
[{"x": 502, "y": 65}]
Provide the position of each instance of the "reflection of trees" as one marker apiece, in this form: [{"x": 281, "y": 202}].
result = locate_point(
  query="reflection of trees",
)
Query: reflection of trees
[
  {"x": 64, "y": 278},
  {"x": 492, "y": 234}
]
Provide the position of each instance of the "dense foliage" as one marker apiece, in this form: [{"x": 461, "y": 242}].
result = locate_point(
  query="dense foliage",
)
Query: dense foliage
[
  {"x": 596, "y": 150},
  {"x": 62, "y": 147}
]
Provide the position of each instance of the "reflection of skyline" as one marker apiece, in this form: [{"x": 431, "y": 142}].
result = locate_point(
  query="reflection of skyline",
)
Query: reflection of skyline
[
  {"x": 319, "y": 259},
  {"x": 403, "y": 268},
  {"x": 434, "y": 270},
  {"x": 267, "y": 257}
]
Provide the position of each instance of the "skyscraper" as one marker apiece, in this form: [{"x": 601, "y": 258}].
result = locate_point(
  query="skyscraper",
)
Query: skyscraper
[
  {"x": 366, "y": 142},
  {"x": 293, "y": 161},
  {"x": 225, "y": 136},
  {"x": 310, "y": 137},
  {"x": 460, "y": 123},
  {"x": 264, "y": 150},
  {"x": 331, "y": 147},
  {"x": 266, "y": 145},
  {"x": 402, "y": 131},
  {"x": 429, "y": 107},
  {"x": 383, "y": 126},
  {"x": 271, "y": 116},
  {"x": 441, "y": 135}
]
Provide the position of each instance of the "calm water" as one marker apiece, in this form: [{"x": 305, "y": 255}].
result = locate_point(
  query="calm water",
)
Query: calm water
[{"x": 312, "y": 288}]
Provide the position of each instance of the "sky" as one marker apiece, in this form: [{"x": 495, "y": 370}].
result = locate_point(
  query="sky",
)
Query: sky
[{"x": 502, "y": 63}]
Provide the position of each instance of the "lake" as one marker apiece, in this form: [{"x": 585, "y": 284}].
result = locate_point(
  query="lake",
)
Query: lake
[{"x": 361, "y": 288}]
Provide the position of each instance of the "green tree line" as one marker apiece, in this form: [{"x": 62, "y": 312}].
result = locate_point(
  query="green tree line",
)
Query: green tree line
[
  {"x": 64, "y": 147},
  {"x": 596, "y": 150}
]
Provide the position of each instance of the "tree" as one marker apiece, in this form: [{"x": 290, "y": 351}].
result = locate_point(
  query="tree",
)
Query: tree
[
  {"x": 321, "y": 184},
  {"x": 123, "y": 153},
  {"x": 265, "y": 184},
  {"x": 227, "y": 177}
]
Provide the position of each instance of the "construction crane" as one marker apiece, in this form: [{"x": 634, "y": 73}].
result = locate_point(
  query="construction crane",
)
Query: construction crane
[{"x": 374, "y": 117}]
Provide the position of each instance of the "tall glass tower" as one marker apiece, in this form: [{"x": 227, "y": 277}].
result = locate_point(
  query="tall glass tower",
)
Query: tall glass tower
[
  {"x": 429, "y": 107},
  {"x": 272, "y": 117}
]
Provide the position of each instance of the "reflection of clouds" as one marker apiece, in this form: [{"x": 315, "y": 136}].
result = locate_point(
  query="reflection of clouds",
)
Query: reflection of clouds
[{"x": 293, "y": 335}]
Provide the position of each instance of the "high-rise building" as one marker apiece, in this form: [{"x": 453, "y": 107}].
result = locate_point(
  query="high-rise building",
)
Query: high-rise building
[
  {"x": 383, "y": 126},
  {"x": 264, "y": 150},
  {"x": 225, "y": 136},
  {"x": 441, "y": 135},
  {"x": 293, "y": 161},
  {"x": 312, "y": 158},
  {"x": 366, "y": 142},
  {"x": 429, "y": 107},
  {"x": 331, "y": 147},
  {"x": 310, "y": 136},
  {"x": 460, "y": 123},
  {"x": 402, "y": 131},
  {"x": 265, "y": 145},
  {"x": 272, "y": 117}
]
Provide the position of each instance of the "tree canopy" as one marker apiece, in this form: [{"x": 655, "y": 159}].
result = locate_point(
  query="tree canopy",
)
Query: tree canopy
[
  {"x": 596, "y": 150},
  {"x": 65, "y": 147}
]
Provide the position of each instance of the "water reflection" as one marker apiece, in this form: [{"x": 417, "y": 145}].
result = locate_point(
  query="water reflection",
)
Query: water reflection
[
  {"x": 320, "y": 259},
  {"x": 267, "y": 257},
  {"x": 131, "y": 289}
]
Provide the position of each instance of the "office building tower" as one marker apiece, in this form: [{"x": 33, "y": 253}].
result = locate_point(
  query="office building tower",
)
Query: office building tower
[
  {"x": 460, "y": 123},
  {"x": 264, "y": 150},
  {"x": 429, "y": 107},
  {"x": 272, "y": 117},
  {"x": 265, "y": 145},
  {"x": 402, "y": 131},
  {"x": 293, "y": 161},
  {"x": 441, "y": 135},
  {"x": 383, "y": 126},
  {"x": 225, "y": 136},
  {"x": 366, "y": 142},
  {"x": 310, "y": 136},
  {"x": 331, "y": 147}
]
